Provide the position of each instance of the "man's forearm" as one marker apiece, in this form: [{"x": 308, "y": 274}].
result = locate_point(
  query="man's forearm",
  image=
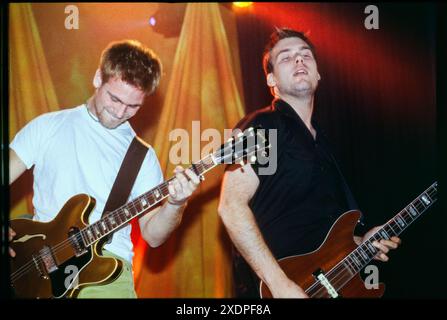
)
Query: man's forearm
[
  {"x": 246, "y": 236},
  {"x": 157, "y": 229}
]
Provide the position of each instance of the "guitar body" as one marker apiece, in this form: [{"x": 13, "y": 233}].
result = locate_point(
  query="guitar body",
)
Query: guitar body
[
  {"x": 338, "y": 244},
  {"x": 46, "y": 263},
  {"x": 59, "y": 258}
]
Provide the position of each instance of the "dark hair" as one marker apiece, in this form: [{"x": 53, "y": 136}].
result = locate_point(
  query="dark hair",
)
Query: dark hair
[
  {"x": 275, "y": 37},
  {"x": 133, "y": 63}
]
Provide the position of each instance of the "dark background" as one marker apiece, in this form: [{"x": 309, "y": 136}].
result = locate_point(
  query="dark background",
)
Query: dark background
[{"x": 377, "y": 102}]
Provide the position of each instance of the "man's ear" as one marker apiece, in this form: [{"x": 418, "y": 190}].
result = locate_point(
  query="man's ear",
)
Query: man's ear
[
  {"x": 319, "y": 77},
  {"x": 97, "y": 79},
  {"x": 271, "y": 82}
]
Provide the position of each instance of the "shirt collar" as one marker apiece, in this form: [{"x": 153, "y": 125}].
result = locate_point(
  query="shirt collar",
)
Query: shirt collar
[{"x": 287, "y": 110}]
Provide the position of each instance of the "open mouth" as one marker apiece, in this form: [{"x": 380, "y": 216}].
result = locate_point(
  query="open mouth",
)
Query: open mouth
[{"x": 300, "y": 72}]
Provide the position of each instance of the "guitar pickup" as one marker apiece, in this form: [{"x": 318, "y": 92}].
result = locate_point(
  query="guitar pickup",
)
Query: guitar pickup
[{"x": 48, "y": 259}]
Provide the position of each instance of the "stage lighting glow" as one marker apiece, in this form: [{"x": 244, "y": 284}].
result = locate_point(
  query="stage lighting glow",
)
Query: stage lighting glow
[
  {"x": 242, "y": 4},
  {"x": 152, "y": 21}
]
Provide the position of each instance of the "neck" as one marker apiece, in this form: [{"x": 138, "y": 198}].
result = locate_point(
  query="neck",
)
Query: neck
[
  {"x": 303, "y": 106},
  {"x": 90, "y": 106}
]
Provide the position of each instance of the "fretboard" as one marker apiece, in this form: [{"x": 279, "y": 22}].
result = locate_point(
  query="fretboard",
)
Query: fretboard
[
  {"x": 140, "y": 205},
  {"x": 365, "y": 252}
]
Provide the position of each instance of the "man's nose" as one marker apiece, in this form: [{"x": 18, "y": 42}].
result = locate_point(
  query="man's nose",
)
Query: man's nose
[{"x": 299, "y": 58}]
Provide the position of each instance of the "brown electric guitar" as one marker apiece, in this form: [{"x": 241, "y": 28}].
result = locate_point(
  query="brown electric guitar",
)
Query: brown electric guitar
[
  {"x": 332, "y": 271},
  {"x": 58, "y": 258}
]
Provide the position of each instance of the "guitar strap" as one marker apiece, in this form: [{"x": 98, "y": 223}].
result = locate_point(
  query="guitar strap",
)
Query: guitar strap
[{"x": 125, "y": 178}]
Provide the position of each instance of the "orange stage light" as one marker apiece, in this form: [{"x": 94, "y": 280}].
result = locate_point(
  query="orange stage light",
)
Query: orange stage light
[{"x": 242, "y": 4}]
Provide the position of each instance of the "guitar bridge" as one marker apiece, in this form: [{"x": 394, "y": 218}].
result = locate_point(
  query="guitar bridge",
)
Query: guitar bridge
[{"x": 324, "y": 281}]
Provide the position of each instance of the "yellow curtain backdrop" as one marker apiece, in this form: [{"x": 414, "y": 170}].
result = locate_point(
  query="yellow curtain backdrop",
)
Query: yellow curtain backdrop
[
  {"x": 31, "y": 90},
  {"x": 203, "y": 87}
]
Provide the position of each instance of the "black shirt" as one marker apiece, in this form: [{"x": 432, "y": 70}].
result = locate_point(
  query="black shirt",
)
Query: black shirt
[{"x": 296, "y": 206}]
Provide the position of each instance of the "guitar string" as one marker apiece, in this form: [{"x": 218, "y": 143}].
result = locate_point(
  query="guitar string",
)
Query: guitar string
[
  {"x": 30, "y": 265},
  {"x": 16, "y": 274},
  {"x": 80, "y": 237},
  {"x": 336, "y": 283},
  {"x": 424, "y": 208}
]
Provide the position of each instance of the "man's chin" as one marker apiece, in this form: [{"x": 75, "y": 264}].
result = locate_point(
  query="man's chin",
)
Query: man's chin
[{"x": 109, "y": 125}]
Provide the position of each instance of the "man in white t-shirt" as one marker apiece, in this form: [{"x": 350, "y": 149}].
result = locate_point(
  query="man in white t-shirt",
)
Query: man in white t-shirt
[{"x": 80, "y": 150}]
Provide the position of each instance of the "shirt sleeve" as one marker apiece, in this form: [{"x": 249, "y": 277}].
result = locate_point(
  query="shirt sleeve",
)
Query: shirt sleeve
[
  {"x": 264, "y": 126},
  {"x": 150, "y": 174},
  {"x": 27, "y": 142}
]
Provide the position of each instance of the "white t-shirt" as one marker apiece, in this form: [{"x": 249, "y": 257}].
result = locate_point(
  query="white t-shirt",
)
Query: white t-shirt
[{"x": 73, "y": 153}]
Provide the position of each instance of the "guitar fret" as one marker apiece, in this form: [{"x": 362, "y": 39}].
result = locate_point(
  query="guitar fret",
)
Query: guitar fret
[
  {"x": 426, "y": 199},
  {"x": 360, "y": 256},
  {"x": 127, "y": 213},
  {"x": 96, "y": 229},
  {"x": 356, "y": 261},
  {"x": 407, "y": 216},
  {"x": 363, "y": 253},
  {"x": 365, "y": 249},
  {"x": 144, "y": 203},
  {"x": 388, "y": 228},
  {"x": 384, "y": 234},
  {"x": 351, "y": 263},
  {"x": 90, "y": 235},
  {"x": 371, "y": 248},
  {"x": 400, "y": 221},
  {"x": 84, "y": 239},
  {"x": 418, "y": 205},
  {"x": 196, "y": 168},
  {"x": 378, "y": 237},
  {"x": 122, "y": 216},
  {"x": 151, "y": 199},
  {"x": 346, "y": 266},
  {"x": 157, "y": 193},
  {"x": 393, "y": 231},
  {"x": 413, "y": 210},
  {"x": 108, "y": 220},
  {"x": 104, "y": 227},
  {"x": 118, "y": 219},
  {"x": 111, "y": 218}
]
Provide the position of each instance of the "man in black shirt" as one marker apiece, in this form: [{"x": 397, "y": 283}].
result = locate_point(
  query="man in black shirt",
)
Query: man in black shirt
[{"x": 271, "y": 216}]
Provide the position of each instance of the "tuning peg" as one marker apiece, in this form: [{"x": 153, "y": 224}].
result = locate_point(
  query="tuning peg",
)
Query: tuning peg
[
  {"x": 240, "y": 134},
  {"x": 201, "y": 177},
  {"x": 242, "y": 163},
  {"x": 252, "y": 159}
]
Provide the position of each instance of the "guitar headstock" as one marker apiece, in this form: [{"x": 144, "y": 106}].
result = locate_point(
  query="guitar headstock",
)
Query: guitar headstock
[{"x": 243, "y": 147}]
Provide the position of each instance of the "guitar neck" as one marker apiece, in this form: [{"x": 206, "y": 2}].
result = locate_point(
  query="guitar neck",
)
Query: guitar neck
[
  {"x": 365, "y": 252},
  {"x": 124, "y": 214}
]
